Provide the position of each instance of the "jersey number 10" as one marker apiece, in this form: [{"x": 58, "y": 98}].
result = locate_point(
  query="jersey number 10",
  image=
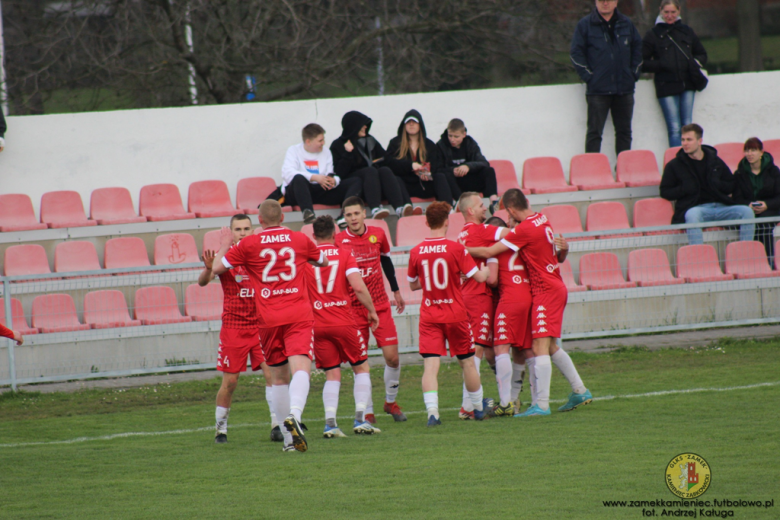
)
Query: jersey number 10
[{"x": 440, "y": 274}]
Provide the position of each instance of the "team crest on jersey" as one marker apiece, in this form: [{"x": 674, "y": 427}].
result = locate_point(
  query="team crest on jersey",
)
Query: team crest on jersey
[
  {"x": 239, "y": 278},
  {"x": 372, "y": 239}
]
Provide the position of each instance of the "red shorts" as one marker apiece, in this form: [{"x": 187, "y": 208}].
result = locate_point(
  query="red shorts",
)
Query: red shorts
[
  {"x": 458, "y": 335},
  {"x": 481, "y": 311},
  {"x": 512, "y": 325},
  {"x": 235, "y": 345},
  {"x": 336, "y": 345},
  {"x": 291, "y": 339},
  {"x": 385, "y": 334},
  {"x": 547, "y": 313}
]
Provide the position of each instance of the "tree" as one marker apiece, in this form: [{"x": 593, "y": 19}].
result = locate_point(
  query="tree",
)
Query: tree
[{"x": 749, "y": 33}]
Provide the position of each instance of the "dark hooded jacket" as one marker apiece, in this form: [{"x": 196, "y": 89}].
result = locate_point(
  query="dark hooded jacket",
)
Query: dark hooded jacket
[
  {"x": 769, "y": 192},
  {"x": 366, "y": 149},
  {"x": 661, "y": 56},
  {"x": 403, "y": 167},
  {"x": 681, "y": 184},
  {"x": 474, "y": 157}
]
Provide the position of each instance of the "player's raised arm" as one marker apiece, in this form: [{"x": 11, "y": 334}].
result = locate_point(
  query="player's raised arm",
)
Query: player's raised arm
[
  {"x": 488, "y": 252},
  {"x": 361, "y": 292},
  {"x": 207, "y": 275},
  {"x": 220, "y": 264}
]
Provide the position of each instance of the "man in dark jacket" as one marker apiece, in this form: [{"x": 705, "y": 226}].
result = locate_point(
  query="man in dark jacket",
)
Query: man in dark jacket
[
  {"x": 607, "y": 54},
  {"x": 357, "y": 154},
  {"x": 701, "y": 184},
  {"x": 465, "y": 166}
]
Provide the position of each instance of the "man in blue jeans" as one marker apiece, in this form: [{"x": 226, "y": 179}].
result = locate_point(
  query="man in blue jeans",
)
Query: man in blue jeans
[{"x": 701, "y": 184}]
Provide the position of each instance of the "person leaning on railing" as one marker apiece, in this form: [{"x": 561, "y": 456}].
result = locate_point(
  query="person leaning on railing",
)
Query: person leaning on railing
[{"x": 758, "y": 186}]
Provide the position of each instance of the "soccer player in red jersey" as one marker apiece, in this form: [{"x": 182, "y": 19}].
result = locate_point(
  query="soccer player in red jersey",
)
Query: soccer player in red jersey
[
  {"x": 275, "y": 259},
  {"x": 436, "y": 266},
  {"x": 371, "y": 249},
  {"x": 541, "y": 251},
  {"x": 336, "y": 336},
  {"x": 239, "y": 336},
  {"x": 5, "y": 332}
]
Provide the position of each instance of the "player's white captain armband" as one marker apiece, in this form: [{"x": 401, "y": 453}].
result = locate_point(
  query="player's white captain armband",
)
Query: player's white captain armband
[{"x": 226, "y": 263}]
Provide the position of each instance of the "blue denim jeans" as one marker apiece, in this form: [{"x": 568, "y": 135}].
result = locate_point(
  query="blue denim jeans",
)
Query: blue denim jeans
[
  {"x": 678, "y": 112},
  {"x": 717, "y": 211}
]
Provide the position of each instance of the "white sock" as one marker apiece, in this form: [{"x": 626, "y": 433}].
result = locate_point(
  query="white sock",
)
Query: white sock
[
  {"x": 531, "y": 367},
  {"x": 281, "y": 397},
  {"x": 330, "y": 398},
  {"x": 299, "y": 391},
  {"x": 504, "y": 378},
  {"x": 392, "y": 378},
  {"x": 269, "y": 398},
  {"x": 466, "y": 402},
  {"x": 222, "y": 417},
  {"x": 370, "y": 403},
  {"x": 362, "y": 395},
  {"x": 517, "y": 380},
  {"x": 476, "y": 399},
  {"x": 543, "y": 368},
  {"x": 569, "y": 371},
  {"x": 477, "y": 361},
  {"x": 432, "y": 403}
]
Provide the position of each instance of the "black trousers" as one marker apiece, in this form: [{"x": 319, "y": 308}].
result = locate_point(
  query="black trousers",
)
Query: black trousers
[
  {"x": 380, "y": 184},
  {"x": 481, "y": 180},
  {"x": 301, "y": 192},
  {"x": 622, "y": 108},
  {"x": 437, "y": 188}
]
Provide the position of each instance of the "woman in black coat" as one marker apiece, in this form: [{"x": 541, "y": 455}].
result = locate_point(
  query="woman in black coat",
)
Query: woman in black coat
[
  {"x": 671, "y": 65},
  {"x": 758, "y": 186}
]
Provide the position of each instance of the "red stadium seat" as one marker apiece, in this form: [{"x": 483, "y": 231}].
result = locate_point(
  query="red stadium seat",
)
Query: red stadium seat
[
  {"x": 502, "y": 214},
  {"x": 564, "y": 218},
  {"x": 75, "y": 255},
  {"x": 55, "y": 313},
  {"x": 699, "y": 263},
  {"x": 568, "y": 278},
  {"x": 601, "y": 271},
  {"x": 17, "y": 317},
  {"x": 410, "y": 231},
  {"x": 308, "y": 230},
  {"x": 107, "y": 310},
  {"x": 638, "y": 168},
  {"x": 591, "y": 171},
  {"x": 603, "y": 216},
  {"x": 158, "y": 306},
  {"x": 455, "y": 225},
  {"x": 410, "y": 297},
  {"x": 252, "y": 191},
  {"x": 175, "y": 248},
  {"x": 61, "y": 209},
  {"x": 731, "y": 154},
  {"x": 204, "y": 303},
  {"x": 24, "y": 260},
  {"x": 113, "y": 206},
  {"x": 670, "y": 154},
  {"x": 162, "y": 202},
  {"x": 545, "y": 175},
  {"x": 210, "y": 199},
  {"x": 211, "y": 240},
  {"x": 650, "y": 267},
  {"x": 773, "y": 147},
  {"x": 17, "y": 213},
  {"x": 125, "y": 252},
  {"x": 653, "y": 213},
  {"x": 506, "y": 177},
  {"x": 748, "y": 260}
]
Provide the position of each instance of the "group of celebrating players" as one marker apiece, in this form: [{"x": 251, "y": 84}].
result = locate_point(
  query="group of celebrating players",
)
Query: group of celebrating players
[{"x": 288, "y": 301}]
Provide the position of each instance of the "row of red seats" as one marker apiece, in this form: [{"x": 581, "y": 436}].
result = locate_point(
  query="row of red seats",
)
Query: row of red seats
[
  {"x": 650, "y": 267},
  {"x": 108, "y": 309},
  {"x": 611, "y": 215}
]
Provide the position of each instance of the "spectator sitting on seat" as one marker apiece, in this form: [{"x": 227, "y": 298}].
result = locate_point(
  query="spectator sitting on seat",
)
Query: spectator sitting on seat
[
  {"x": 470, "y": 170},
  {"x": 357, "y": 154},
  {"x": 416, "y": 160},
  {"x": 3, "y": 128},
  {"x": 308, "y": 177},
  {"x": 701, "y": 184},
  {"x": 758, "y": 185}
]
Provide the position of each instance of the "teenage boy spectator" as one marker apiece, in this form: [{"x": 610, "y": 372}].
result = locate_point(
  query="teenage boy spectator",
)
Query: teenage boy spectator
[
  {"x": 463, "y": 158},
  {"x": 357, "y": 154},
  {"x": 606, "y": 51},
  {"x": 701, "y": 184},
  {"x": 308, "y": 177}
]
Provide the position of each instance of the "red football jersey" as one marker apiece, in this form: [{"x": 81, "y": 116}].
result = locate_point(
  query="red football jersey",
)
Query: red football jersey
[
  {"x": 478, "y": 235},
  {"x": 275, "y": 260},
  {"x": 329, "y": 289},
  {"x": 367, "y": 249},
  {"x": 5, "y": 332},
  {"x": 534, "y": 238},
  {"x": 238, "y": 308},
  {"x": 514, "y": 284},
  {"x": 438, "y": 263}
]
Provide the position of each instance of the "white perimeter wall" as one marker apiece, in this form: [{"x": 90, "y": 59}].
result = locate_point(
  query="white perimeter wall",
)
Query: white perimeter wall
[{"x": 132, "y": 148}]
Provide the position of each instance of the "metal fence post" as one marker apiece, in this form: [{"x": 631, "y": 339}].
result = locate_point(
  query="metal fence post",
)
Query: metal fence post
[{"x": 10, "y": 322}]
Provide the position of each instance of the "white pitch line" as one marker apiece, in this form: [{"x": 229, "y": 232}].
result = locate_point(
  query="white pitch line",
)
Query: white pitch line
[{"x": 414, "y": 412}]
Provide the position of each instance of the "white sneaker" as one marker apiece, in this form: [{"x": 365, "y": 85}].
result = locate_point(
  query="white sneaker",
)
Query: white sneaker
[
  {"x": 365, "y": 428},
  {"x": 380, "y": 213}
]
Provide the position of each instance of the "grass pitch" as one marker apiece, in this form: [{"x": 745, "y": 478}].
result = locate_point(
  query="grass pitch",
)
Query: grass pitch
[{"x": 563, "y": 466}]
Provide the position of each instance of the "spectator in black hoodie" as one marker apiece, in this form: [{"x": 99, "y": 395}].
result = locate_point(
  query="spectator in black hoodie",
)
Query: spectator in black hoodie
[
  {"x": 357, "y": 154},
  {"x": 464, "y": 165},
  {"x": 416, "y": 160}
]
